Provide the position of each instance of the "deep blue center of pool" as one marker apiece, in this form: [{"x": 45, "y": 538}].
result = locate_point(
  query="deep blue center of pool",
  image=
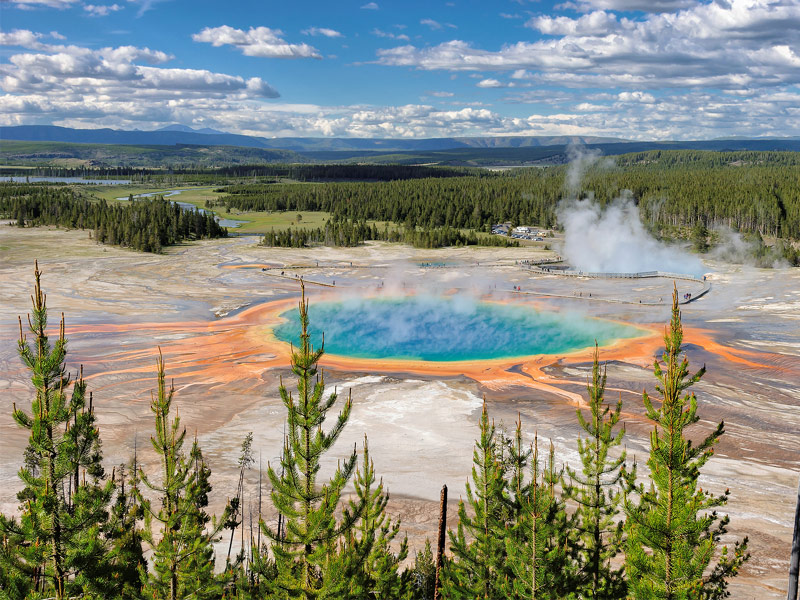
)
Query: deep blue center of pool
[{"x": 446, "y": 329}]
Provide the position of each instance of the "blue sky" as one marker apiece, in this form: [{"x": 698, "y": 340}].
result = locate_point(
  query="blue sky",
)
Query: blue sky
[{"x": 637, "y": 69}]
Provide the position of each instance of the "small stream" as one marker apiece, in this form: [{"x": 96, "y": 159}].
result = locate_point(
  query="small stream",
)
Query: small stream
[{"x": 229, "y": 223}]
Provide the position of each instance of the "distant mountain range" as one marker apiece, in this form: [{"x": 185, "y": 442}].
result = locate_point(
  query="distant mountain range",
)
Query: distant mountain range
[
  {"x": 187, "y": 129},
  {"x": 180, "y": 145},
  {"x": 181, "y": 134}
]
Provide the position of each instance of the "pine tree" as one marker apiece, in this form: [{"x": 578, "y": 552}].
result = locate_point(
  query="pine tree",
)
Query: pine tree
[
  {"x": 183, "y": 557},
  {"x": 594, "y": 489},
  {"x": 539, "y": 545},
  {"x": 477, "y": 569},
  {"x": 424, "y": 574},
  {"x": 308, "y": 539},
  {"x": 126, "y": 556},
  {"x": 674, "y": 531},
  {"x": 56, "y": 547},
  {"x": 370, "y": 568}
]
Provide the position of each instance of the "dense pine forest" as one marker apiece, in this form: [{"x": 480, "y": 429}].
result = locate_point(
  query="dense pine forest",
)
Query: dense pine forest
[
  {"x": 349, "y": 233},
  {"x": 146, "y": 224},
  {"x": 298, "y": 172},
  {"x": 746, "y": 191},
  {"x": 527, "y": 528},
  {"x": 680, "y": 193}
]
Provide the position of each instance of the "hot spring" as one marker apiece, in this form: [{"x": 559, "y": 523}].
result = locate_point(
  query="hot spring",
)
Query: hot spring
[{"x": 446, "y": 329}]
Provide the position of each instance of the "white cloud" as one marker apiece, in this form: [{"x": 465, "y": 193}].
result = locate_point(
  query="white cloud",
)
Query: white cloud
[
  {"x": 56, "y": 36},
  {"x": 111, "y": 81},
  {"x": 741, "y": 43},
  {"x": 146, "y": 5},
  {"x": 29, "y": 4},
  {"x": 491, "y": 83},
  {"x": 442, "y": 94},
  {"x": 370, "y": 6},
  {"x": 392, "y": 36},
  {"x": 691, "y": 115},
  {"x": 257, "y": 41},
  {"x": 22, "y": 38},
  {"x": 331, "y": 33},
  {"x": 458, "y": 55},
  {"x": 431, "y": 23},
  {"x": 648, "y": 6},
  {"x": 642, "y": 97},
  {"x": 594, "y": 23},
  {"x": 101, "y": 10}
]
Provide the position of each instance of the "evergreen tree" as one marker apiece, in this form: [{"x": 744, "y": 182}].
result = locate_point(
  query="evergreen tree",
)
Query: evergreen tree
[
  {"x": 539, "y": 546},
  {"x": 700, "y": 237},
  {"x": 477, "y": 569},
  {"x": 371, "y": 569},
  {"x": 126, "y": 557},
  {"x": 424, "y": 574},
  {"x": 594, "y": 490},
  {"x": 56, "y": 547},
  {"x": 674, "y": 531},
  {"x": 183, "y": 557},
  {"x": 306, "y": 543}
]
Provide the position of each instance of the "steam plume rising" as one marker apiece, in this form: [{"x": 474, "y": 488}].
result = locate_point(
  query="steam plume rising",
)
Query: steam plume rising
[{"x": 614, "y": 240}]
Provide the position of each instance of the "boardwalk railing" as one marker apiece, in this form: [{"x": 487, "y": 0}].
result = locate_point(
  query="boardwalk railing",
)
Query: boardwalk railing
[{"x": 638, "y": 275}]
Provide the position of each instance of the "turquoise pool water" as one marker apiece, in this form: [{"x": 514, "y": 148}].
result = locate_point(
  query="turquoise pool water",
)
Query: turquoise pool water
[{"x": 446, "y": 329}]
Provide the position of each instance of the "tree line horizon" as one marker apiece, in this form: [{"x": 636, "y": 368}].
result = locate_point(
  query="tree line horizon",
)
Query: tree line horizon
[{"x": 680, "y": 195}]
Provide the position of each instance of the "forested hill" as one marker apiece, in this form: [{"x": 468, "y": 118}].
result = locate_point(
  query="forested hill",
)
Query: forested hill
[
  {"x": 546, "y": 155},
  {"x": 143, "y": 156}
]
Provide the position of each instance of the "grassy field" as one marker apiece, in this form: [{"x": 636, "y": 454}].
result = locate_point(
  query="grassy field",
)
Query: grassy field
[
  {"x": 112, "y": 192},
  {"x": 255, "y": 222}
]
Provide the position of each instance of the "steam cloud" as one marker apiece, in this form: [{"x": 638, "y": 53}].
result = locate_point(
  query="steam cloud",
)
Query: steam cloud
[
  {"x": 614, "y": 240},
  {"x": 611, "y": 240},
  {"x": 580, "y": 161}
]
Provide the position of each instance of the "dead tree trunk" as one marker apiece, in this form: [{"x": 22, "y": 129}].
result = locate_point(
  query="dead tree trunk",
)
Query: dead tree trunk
[{"x": 437, "y": 590}]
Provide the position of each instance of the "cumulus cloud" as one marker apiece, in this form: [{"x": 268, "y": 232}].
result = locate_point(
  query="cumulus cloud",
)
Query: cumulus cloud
[
  {"x": 130, "y": 87},
  {"x": 491, "y": 83},
  {"x": 642, "y": 97},
  {"x": 101, "y": 10},
  {"x": 120, "y": 84},
  {"x": 370, "y": 6},
  {"x": 736, "y": 44},
  {"x": 314, "y": 31},
  {"x": 232, "y": 106},
  {"x": 257, "y": 41},
  {"x": 458, "y": 55},
  {"x": 22, "y": 38},
  {"x": 595, "y": 23}
]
